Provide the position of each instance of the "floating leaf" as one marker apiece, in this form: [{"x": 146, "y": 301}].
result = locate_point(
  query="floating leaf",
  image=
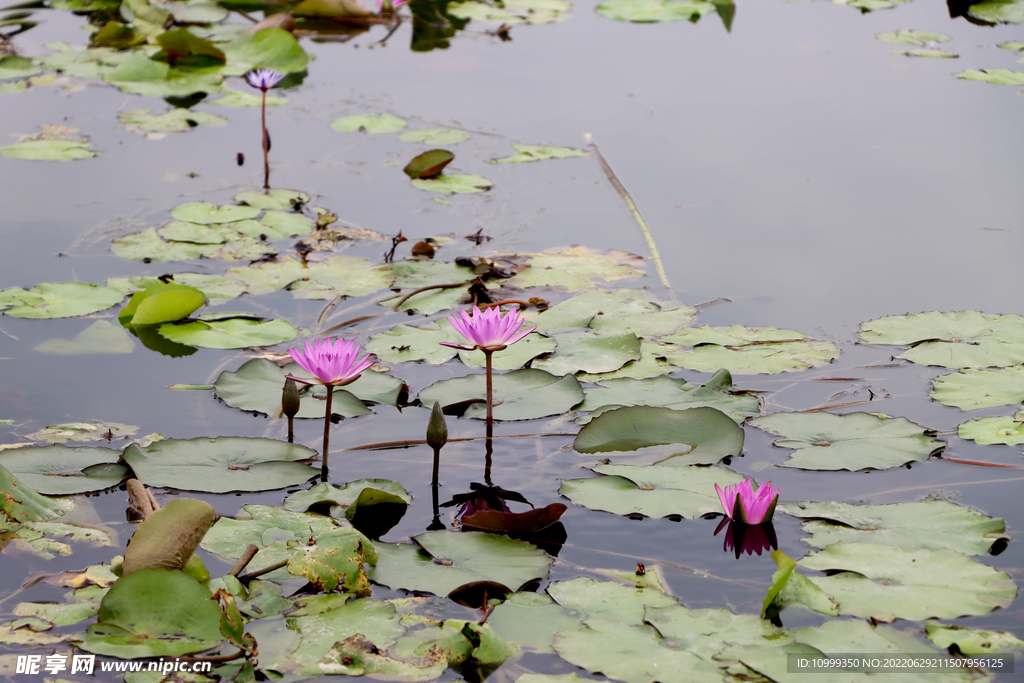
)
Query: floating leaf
[
  {"x": 993, "y": 430},
  {"x": 965, "y": 339},
  {"x": 147, "y": 246},
  {"x": 435, "y": 136},
  {"x": 337, "y": 276},
  {"x": 651, "y": 490},
  {"x": 518, "y": 395},
  {"x": 527, "y": 153},
  {"x": 167, "y": 538},
  {"x": 144, "y": 76},
  {"x": 404, "y": 343},
  {"x": 205, "y": 213},
  {"x": 369, "y": 123},
  {"x": 997, "y": 76},
  {"x": 511, "y": 12},
  {"x": 442, "y": 561},
  {"x": 343, "y": 497},
  {"x": 589, "y": 352},
  {"x": 154, "y": 613},
  {"x": 915, "y": 38},
  {"x": 941, "y": 54},
  {"x": 233, "y": 333},
  {"x": 277, "y": 225},
  {"x": 49, "y": 150},
  {"x": 856, "y": 441},
  {"x": 326, "y": 626},
  {"x": 971, "y": 642},
  {"x": 710, "y": 434},
  {"x": 257, "y": 386},
  {"x": 273, "y": 200},
  {"x": 102, "y": 337},
  {"x": 930, "y": 524},
  {"x": 221, "y": 465},
  {"x": 743, "y": 350},
  {"x": 454, "y": 184},
  {"x": 429, "y": 164},
  {"x": 882, "y": 581},
  {"x": 13, "y": 66},
  {"x": 974, "y": 389},
  {"x": 644, "y": 11},
  {"x": 183, "y": 231},
  {"x": 20, "y": 503},
  {"x": 615, "y": 312},
  {"x": 652, "y": 363},
  {"x": 531, "y": 620},
  {"x": 217, "y": 288},
  {"x": 998, "y": 11},
  {"x": 270, "y": 48},
  {"x": 61, "y": 471},
  {"x": 336, "y": 562},
  {"x": 90, "y": 430},
  {"x": 58, "y": 300},
  {"x": 576, "y": 268}
]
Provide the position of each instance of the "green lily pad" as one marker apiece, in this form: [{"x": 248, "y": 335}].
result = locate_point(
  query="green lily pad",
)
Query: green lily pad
[
  {"x": 512, "y": 12},
  {"x": 192, "y": 12},
  {"x": 195, "y": 233},
  {"x": 270, "y": 48},
  {"x": 993, "y": 430},
  {"x": 512, "y": 357},
  {"x": 258, "y": 383},
  {"x": 576, "y": 268},
  {"x": 87, "y": 430},
  {"x": 435, "y": 136},
  {"x": 323, "y": 626},
  {"x": 58, "y": 300},
  {"x": 940, "y": 54},
  {"x": 237, "y": 98},
  {"x": 343, "y": 497},
  {"x": 1015, "y": 45},
  {"x": 49, "y": 150},
  {"x": 273, "y": 200},
  {"x": 930, "y": 524},
  {"x": 665, "y": 392},
  {"x": 651, "y": 490},
  {"x": 59, "y": 614},
  {"x": 518, "y": 395},
  {"x": 276, "y": 225},
  {"x": 161, "y": 303},
  {"x": 882, "y": 581},
  {"x": 144, "y": 76},
  {"x": 221, "y": 465},
  {"x": 274, "y": 531},
  {"x": 585, "y": 597},
  {"x": 205, "y": 213},
  {"x": 997, "y": 76},
  {"x": 651, "y": 364},
  {"x": 915, "y": 38},
  {"x": 589, "y": 352},
  {"x": 13, "y": 66},
  {"x": 61, "y": 471},
  {"x": 645, "y": 11},
  {"x": 19, "y": 503},
  {"x": 615, "y": 312},
  {"x": 965, "y": 339},
  {"x": 174, "y": 121},
  {"x": 971, "y": 642},
  {"x": 369, "y": 123},
  {"x": 147, "y": 246},
  {"x": 974, "y": 389},
  {"x": 263, "y": 278},
  {"x": 527, "y": 153},
  {"x": 403, "y": 343},
  {"x": 234, "y": 333},
  {"x": 442, "y": 561},
  {"x": 154, "y": 613},
  {"x": 531, "y": 620},
  {"x": 341, "y": 276},
  {"x": 102, "y": 337},
  {"x": 335, "y": 561},
  {"x": 747, "y": 351},
  {"x": 856, "y": 441},
  {"x": 998, "y": 11},
  {"x": 870, "y": 5},
  {"x": 706, "y": 630},
  {"x": 454, "y": 184}
]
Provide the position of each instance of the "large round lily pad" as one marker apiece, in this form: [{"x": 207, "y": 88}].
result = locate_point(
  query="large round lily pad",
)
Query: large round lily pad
[
  {"x": 205, "y": 213},
  {"x": 518, "y": 395},
  {"x": 58, "y": 300},
  {"x": 930, "y": 524},
  {"x": 615, "y": 312},
  {"x": 651, "y": 490},
  {"x": 746, "y": 351},
  {"x": 61, "y": 471},
  {"x": 973, "y": 389},
  {"x": 857, "y": 441},
  {"x": 233, "y": 333},
  {"x": 965, "y": 339},
  {"x": 441, "y": 561},
  {"x": 589, "y": 352},
  {"x": 403, "y": 343},
  {"x": 154, "y": 613},
  {"x": 993, "y": 430},
  {"x": 147, "y": 246},
  {"x": 886, "y": 582},
  {"x": 221, "y": 465},
  {"x": 369, "y": 123},
  {"x": 453, "y": 184},
  {"x": 576, "y": 268}
]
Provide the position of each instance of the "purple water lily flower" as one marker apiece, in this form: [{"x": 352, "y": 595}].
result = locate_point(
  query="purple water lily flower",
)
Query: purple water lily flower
[
  {"x": 488, "y": 330},
  {"x": 330, "y": 364},
  {"x": 746, "y": 503},
  {"x": 264, "y": 79}
]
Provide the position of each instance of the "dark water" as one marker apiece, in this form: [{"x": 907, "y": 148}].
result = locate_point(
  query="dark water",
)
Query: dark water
[{"x": 795, "y": 166}]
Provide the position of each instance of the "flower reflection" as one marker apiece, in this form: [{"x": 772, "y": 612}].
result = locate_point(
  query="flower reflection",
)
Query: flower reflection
[{"x": 743, "y": 538}]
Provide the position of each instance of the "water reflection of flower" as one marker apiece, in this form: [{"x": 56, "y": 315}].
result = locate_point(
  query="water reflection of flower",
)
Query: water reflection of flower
[{"x": 747, "y": 539}]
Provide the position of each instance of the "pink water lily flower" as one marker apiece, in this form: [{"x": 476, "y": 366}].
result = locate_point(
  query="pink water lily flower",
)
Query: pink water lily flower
[
  {"x": 488, "y": 330},
  {"x": 744, "y": 502},
  {"x": 264, "y": 79},
  {"x": 330, "y": 364}
]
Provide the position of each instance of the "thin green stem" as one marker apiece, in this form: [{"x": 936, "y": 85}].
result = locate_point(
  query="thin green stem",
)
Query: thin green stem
[
  {"x": 266, "y": 146},
  {"x": 327, "y": 432}
]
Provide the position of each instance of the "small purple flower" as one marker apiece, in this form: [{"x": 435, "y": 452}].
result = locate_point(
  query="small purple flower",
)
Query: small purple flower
[
  {"x": 488, "y": 330},
  {"x": 264, "y": 79},
  {"x": 744, "y": 503}
]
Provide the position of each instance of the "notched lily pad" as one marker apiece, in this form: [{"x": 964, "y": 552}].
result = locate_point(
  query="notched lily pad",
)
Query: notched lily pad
[
  {"x": 454, "y": 184},
  {"x": 965, "y": 339},
  {"x": 527, "y": 153},
  {"x": 175, "y": 121},
  {"x": 61, "y": 471},
  {"x": 974, "y": 389},
  {"x": 205, "y": 213},
  {"x": 518, "y": 395},
  {"x": 743, "y": 350},
  {"x": 233, "y": 333},
  {"x": 369, "y": 123},
  {"x": 58, "y": 300},
  {"x": 993, "y": 430},
  {"x": 576, "y": 268}
]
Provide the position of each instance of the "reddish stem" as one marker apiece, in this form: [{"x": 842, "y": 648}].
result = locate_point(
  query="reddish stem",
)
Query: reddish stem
[
  {"x": 490, "y": 394},
  {"x": 327, "y": 432},
  {"x": 266, "y": 148}
]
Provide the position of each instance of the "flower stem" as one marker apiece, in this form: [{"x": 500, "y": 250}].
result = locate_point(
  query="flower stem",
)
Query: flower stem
[
  {"x": 327, "y": 432},
  {"x": 490, "y": 393},
  {"x": 266, "y": 150}
]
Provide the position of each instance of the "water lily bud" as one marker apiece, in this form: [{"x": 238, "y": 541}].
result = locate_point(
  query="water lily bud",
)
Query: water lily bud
[
  {"x": 290, "y": 398},
  {"x": 437, "y": 428}
]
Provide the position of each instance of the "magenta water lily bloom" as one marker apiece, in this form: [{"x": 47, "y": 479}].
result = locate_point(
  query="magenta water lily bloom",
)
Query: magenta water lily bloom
[
  {"x": 330, "y": 364},
  {"x": 264, "y": 79},
  {"x": 745, "y": 502},
  {"x": 488, "y": 330}
]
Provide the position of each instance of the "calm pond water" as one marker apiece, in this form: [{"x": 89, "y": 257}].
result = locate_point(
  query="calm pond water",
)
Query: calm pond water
[{"x": 794, "y": 166}]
